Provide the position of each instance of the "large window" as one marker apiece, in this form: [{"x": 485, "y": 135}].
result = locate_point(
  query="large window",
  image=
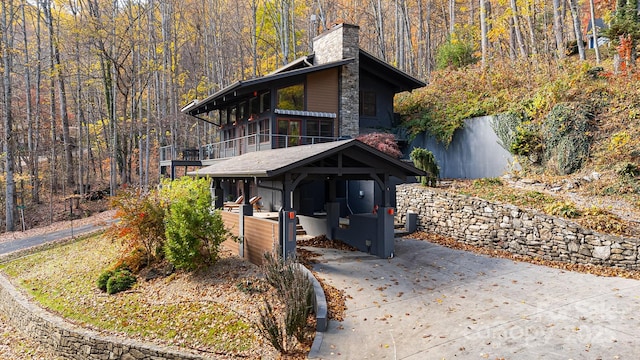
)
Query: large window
[
  {"x": 291, "y": 97},
  {"x": 367, "y": 103},
  {"x": 321, "y": 128},
  {"x": 264, "y": 130},
  {"x": 288, "y": 132},
  {"x": 253, "y": 131},
  {"x": 242, "y": 109}
]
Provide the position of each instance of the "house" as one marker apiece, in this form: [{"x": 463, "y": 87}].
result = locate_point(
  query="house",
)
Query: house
[
  {"x": 337, "y": 92},
  {"x": 600, "y": 27}
]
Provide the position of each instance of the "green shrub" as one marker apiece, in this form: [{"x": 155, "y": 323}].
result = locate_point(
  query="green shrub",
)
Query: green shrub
[
  {"x": 103, "y": 279},
  {"x": 269, "y": 327},
  {"x": 484, "y": 182},
  {"x": 505, "y": 126},
  {"x": 121, "y": 280},
  {"x": 424, "y": 160},
  {"x": 455, "y": 54},
  {"x": 194, "y": 231},
  {"x": 527, "y": 142},
  {"x": 114, "y": 281}
]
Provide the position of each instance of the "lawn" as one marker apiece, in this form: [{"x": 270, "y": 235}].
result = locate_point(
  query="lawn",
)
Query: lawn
[{"x": 205, "y": 310}]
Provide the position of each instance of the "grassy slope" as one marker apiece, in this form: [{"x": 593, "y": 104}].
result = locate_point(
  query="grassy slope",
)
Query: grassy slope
[{"x": 63, "y": 280}]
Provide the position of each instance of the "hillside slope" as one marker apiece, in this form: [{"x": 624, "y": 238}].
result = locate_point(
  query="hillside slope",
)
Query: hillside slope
[{"x": 574, "y": 128}]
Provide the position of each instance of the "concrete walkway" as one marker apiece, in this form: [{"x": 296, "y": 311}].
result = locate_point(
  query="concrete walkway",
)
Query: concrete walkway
[{"x": 431, "y": 302}]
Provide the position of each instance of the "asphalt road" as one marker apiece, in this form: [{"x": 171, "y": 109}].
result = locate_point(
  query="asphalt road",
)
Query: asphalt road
[{"x": 21, "y": 244}]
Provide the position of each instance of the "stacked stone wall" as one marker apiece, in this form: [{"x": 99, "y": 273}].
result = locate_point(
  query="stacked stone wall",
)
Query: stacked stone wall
[
  {"x": 71, "y": 342},
  {"x": 498, "y": 226}
]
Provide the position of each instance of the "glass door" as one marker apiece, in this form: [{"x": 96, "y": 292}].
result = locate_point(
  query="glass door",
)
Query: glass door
[{"x": 289, "y": 132}]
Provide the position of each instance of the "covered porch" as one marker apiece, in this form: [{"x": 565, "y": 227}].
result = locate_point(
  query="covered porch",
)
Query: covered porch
[{"x": 278, "y": 175}]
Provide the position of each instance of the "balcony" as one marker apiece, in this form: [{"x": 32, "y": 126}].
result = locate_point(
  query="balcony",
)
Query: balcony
[{"x": 238, "y": 146}]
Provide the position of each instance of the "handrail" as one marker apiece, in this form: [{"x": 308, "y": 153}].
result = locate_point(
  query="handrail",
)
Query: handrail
[{"x": 239, "y": 146}]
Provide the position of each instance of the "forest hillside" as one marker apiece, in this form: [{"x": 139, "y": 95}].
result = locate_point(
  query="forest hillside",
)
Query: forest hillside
[{"x": 92, "y": 89}]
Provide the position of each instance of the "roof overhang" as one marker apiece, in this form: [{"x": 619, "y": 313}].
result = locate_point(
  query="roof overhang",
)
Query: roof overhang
[
  {"x": 349, "y": 159},
  {"x": 394, "y": 76},
  {"x": 245, "y": 88}
]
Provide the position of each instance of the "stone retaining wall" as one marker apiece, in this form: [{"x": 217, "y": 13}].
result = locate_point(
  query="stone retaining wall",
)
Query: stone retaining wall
[
  {"x": 527, "y": 232},
  {"x": 73, "y": 342}
]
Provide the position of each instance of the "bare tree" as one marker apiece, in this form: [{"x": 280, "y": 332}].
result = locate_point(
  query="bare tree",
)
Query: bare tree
[
  {"x": 557, "y": 29},
  {"x": 6, "y": 52},
  {"x": 575, "y": 16},
  {"x": 594, "y": 31}
]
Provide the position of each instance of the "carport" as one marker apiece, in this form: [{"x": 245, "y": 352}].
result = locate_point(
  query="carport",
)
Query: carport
[{"x": 282, "y": 171}]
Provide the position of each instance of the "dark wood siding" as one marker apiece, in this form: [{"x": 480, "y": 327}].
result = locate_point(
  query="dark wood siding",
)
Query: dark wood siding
[{"x": 322, "y": 91}]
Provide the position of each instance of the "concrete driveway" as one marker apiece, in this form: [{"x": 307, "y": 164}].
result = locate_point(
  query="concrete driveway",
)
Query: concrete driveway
[{"x": 431, "y": 302}]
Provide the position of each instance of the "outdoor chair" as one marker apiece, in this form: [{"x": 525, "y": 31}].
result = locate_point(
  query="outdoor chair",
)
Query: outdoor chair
[{"x": 253, "y": 202}]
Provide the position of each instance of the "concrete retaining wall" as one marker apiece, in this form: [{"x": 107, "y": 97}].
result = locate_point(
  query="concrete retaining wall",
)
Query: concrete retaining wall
[{"x": 482, "y": 223}]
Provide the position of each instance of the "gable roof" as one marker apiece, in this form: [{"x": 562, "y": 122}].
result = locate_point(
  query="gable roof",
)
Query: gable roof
[
  {"x": 349, "y": 158},
  {"x": 398, "y": 79},
  {"x": 392, "y": 75}
]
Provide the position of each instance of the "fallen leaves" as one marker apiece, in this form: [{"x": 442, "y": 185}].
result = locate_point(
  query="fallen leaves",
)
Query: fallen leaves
[{"x": 323, "y": 242}]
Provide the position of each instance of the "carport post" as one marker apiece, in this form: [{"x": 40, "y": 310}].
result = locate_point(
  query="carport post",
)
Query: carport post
[
  {"x": 217, "y": 193},
  {"x": 246, "y": 209},
  {"x": 386, "y": 235}
]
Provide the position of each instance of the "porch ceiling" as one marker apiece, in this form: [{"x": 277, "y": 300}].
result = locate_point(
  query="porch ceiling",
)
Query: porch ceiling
[{"x": 347, "y": 158}]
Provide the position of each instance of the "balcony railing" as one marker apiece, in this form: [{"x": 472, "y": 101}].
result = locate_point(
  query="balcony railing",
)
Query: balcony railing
[{"x": 239, "y": 146}]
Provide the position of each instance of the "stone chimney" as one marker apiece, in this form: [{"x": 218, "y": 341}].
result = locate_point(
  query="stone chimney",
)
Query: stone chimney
[{"x": 339, "y": 43}]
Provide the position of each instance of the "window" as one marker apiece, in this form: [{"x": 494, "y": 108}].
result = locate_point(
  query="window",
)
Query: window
[
  {"x": 265, "y": 102},
  {"x": 367, "y": 103},
  {"x": 288, "y": 132},
  {"x": 264, "y": 130},
  {"x": 254, "y": 106},
  {"x": 233, "y": 113},
  {"x": 229, "y": 135},
  {"x": 223, "y": 117},
  {"x": 291, "y": 98},
  {"x": 242, "y": 110},
  {"x": 253, "y": 130},
  {"x": 321, "y": 128}
]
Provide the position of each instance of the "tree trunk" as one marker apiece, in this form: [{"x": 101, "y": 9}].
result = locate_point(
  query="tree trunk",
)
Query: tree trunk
[
  {"x": 557, "y": 29},
  {"x": 516, "y": 29},
  {"x": 8, "y": 148},
  {"x": 484, "y": 40},
  {"x": 57, "y": 73},
  {"x": 594, "y": 31},
  {"x": 575, "y": 16}
]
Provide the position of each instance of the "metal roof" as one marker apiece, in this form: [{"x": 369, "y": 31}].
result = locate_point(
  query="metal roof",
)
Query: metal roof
[{"x": 344, "y": 157}]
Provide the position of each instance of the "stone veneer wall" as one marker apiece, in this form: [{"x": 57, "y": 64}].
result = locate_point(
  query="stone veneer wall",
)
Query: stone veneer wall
[
  {"x": 496, "y": 226},
  {"x": 73, "y": 342},
  {"x": 338, "y": 43}
]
